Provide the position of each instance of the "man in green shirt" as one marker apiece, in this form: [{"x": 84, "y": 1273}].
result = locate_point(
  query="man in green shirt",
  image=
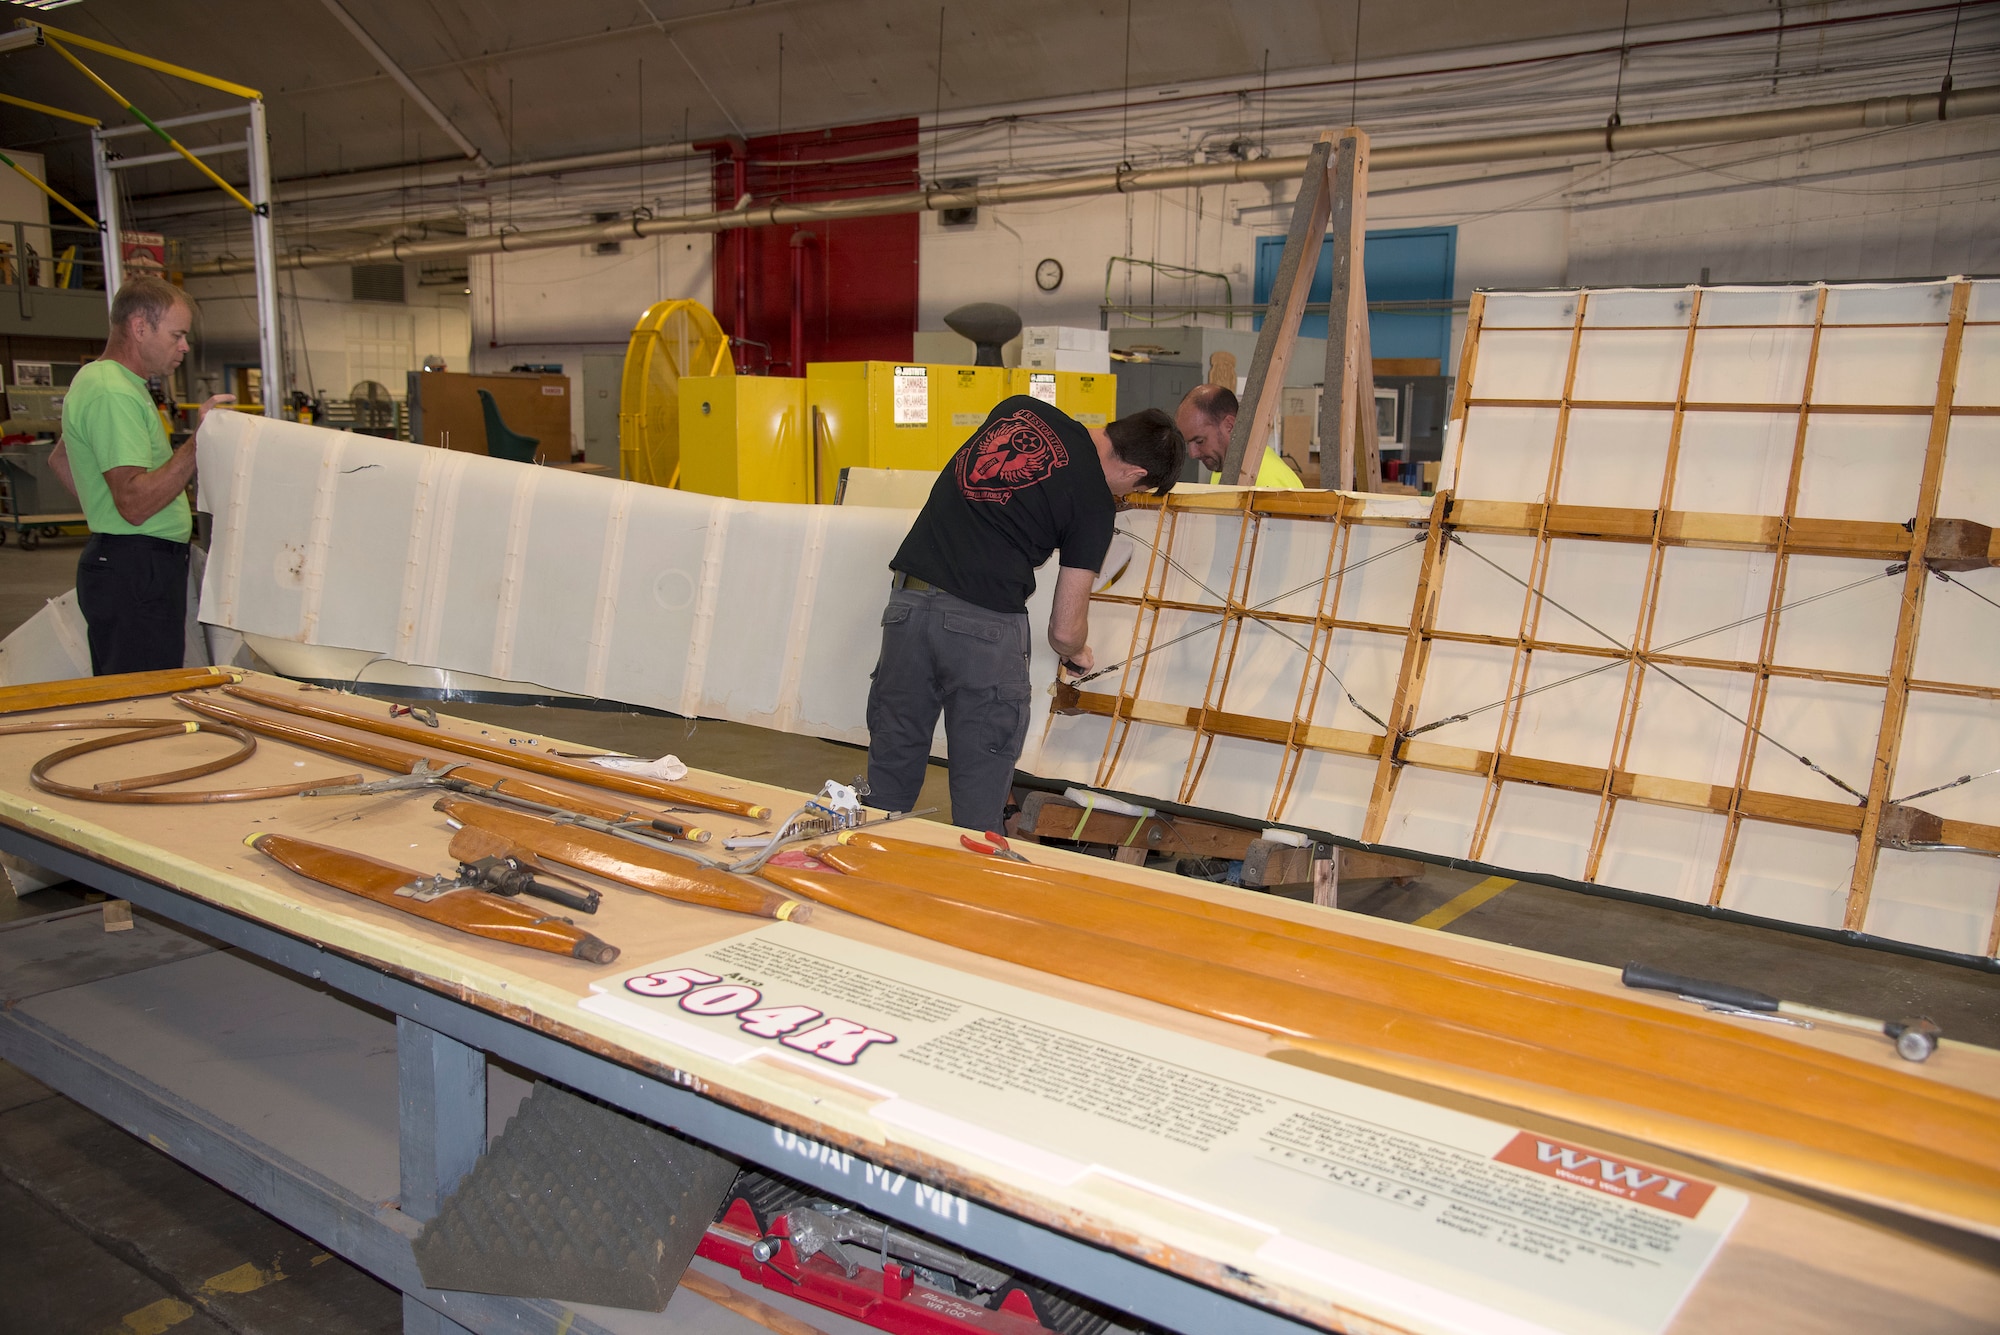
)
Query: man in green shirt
[
  {"x": 1206, "y": 418},
  {"x": 131, "y": 582}
]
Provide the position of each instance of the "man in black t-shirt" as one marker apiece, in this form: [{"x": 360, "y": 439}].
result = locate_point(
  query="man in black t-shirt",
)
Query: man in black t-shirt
[{"x": 1031, "y": 481}]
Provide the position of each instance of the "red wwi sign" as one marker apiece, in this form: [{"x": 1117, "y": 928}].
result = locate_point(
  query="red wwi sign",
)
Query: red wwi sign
[{"x": 1614, "y": 1177}]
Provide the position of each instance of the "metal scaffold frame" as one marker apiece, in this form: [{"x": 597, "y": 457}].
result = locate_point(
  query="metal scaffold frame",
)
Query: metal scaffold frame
[{"x": 255, "y": 146}]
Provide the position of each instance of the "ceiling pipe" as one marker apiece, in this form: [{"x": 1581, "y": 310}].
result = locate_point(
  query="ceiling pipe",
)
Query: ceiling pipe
[
  {"x": 1872, "y": 113},
  {"x": 432, "y": 172},
  {"x": 404, "y": 81}
]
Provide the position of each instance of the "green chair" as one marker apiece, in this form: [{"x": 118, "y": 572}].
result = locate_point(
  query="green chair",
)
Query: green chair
[{"x": 502, "y": 441}]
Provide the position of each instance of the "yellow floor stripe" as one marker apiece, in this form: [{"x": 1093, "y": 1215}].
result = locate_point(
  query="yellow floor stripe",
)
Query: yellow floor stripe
[
  {"x": 154, "y": 1318},
  {"x": 245, "y": 1278},
  {"x": 1452, "y": 910}
]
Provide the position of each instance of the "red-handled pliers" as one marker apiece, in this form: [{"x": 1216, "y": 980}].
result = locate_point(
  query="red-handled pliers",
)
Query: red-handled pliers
[{"x": 994, "y": 845}]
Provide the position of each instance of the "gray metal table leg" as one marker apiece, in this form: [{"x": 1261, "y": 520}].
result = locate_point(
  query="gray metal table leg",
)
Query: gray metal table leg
[{"x": 441, "y": 1092}]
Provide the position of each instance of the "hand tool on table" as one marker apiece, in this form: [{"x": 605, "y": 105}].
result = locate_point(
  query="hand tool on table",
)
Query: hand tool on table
[
  {"x": 1915, "y": 1039},
  {"x": 992, "y": 845},
  {"x": 444, "y": 900},
  {"x": 427, "y": 717},
  {"x": 495, "y": 865},
  {"x": 674, "y": 873}
]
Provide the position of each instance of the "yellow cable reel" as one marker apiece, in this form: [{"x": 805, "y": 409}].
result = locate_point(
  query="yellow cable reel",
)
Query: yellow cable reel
[{"x": 673, "y": 339}]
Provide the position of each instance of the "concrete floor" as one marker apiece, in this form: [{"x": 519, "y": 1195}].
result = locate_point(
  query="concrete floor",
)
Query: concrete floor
[{"x": 99, "y": 1233}]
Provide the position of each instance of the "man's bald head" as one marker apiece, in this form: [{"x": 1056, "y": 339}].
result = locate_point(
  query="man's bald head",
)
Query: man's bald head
[{"x": 1206, "y": 417}]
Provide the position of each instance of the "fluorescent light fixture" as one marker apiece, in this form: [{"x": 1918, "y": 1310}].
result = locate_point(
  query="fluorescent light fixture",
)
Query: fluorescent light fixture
[{"x": 44, "y": 4}]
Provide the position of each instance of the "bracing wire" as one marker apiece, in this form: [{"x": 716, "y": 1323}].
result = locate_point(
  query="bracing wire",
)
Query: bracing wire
[
  {"x": 1251, "y": 612},
  {"x": 1647, "y": 659}
]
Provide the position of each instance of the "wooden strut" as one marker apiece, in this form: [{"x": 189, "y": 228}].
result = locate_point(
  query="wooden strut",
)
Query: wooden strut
[
  {"x": 512, "y": 756},
  {"x": 1165, "y": 527},
  {"x": 473, "y": 912},
  {"x": 1626, "y": 726},
  {"x": 1532, "y": 602},
  {"x": 1257, "y": 415},
  {"x": 135, "y": 791},
  {"x": 1895, "y": 702},
  {"x": 1305, "y": 704},
  {"x": 1961, "y": 1180},
  {"x": 1402, "y": 714},
  {"x": 397, "y": 760},
  {"x": 628, "y": 863},
  {"x": 1760, "y": 684},
  {"x": 107, "y": 690},
  {"x": 1347, "y": 404},
  {"x": 1333, "y": 191},
  {"x": 1230, "y": 636}
]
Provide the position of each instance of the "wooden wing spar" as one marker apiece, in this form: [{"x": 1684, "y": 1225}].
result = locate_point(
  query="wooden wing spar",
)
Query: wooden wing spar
[
  {"x": 471, "y": 911},
  {"x": 105, "y": 690},
  {"x": 627, "y": 862},
  {"x": 512, "y": 756},
  {"x": 400, "y": 760},
  {"x": 1745, "y": 1099}
]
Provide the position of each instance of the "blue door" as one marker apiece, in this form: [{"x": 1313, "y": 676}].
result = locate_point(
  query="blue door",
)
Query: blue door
[{"x": 1402, "y": 264}]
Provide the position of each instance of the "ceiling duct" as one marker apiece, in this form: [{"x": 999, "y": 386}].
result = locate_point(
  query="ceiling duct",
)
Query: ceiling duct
[{"x": 1872, "y": 113}]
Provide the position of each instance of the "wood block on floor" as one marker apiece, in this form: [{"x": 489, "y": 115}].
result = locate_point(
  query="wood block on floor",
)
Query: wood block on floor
[{"x": 1053, "y": 818}]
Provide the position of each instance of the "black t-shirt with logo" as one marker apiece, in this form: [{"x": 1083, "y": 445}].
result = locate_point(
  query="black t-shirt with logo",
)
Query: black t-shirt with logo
[{"x": 1028, "y": 483}]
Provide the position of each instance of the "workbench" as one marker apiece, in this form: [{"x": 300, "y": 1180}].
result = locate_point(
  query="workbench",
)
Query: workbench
[{"x": 341, "y": 1065}]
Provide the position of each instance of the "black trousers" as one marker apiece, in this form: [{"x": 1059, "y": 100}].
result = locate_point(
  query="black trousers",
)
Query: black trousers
[
  {"x": 132, "y": 590},
  {"x": 941, "y": 654}
]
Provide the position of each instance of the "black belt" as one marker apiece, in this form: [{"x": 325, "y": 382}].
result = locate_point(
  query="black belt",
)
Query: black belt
[
  {"x": 899, "y": 580},
  {"x": 167, "y": 545}
]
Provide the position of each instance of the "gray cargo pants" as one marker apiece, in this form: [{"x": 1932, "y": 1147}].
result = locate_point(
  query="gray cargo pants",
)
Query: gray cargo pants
[{"x": 941, "y": 653}]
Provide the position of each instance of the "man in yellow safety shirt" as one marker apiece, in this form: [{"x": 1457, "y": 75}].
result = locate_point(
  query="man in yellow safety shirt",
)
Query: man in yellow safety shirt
[{"x": 1206, "y": 418}]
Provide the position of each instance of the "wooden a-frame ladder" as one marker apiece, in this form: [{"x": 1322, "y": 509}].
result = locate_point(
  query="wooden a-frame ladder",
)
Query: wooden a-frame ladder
[{"x": 1333, "y": 194}]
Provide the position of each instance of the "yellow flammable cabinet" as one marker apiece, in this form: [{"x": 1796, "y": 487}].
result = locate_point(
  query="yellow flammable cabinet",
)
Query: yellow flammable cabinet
[
  {"x": 747, "y": 437},
  {"x": 873, "y": 415},
  {"x": 964, "y": 396},
  {"x": 1090, "y": 398}
]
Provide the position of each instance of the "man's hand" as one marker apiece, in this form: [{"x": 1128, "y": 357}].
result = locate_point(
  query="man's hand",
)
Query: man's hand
[
  {"x": 1081, "y": 662},
  {"x": 214, "y": 401}
]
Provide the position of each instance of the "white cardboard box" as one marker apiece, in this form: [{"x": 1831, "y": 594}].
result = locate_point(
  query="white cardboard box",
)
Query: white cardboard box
[
  {"x": 1065, "y": 338},
  {"x": 1049, "y": 348}
]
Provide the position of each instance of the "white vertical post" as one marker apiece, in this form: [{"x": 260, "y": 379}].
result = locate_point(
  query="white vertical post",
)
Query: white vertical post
[
  {"x": 270, "y": 349},
  {"x": 107, "y": 216}
]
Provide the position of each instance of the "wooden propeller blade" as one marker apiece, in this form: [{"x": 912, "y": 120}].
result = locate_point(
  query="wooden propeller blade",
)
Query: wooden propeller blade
[
  {"x": 1327, "y": 938},
  {"x": 1898, "y": 1106},
  {"x": 514, "y": 756},
  {"x": 471, "y": 911},
  {"x": 1305, "y": 1015},
  {"x": 626, "y": 862}
]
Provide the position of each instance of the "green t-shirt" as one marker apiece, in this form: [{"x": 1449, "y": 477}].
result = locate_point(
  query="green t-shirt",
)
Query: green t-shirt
[{"x": 109, "y": 421}]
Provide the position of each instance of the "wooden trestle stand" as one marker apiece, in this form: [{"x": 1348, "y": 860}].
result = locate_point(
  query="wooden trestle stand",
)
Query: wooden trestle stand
[{"x": 1333, "y": 193}]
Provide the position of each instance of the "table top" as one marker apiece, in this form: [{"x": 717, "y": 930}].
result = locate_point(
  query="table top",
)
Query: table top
[{"x": 1791, "y": 1261}]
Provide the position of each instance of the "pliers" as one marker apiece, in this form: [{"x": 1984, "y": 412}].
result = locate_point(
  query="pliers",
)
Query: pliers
[
  {"x": 994, "y": 845},
  {"x": 427, "y": 717}
]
